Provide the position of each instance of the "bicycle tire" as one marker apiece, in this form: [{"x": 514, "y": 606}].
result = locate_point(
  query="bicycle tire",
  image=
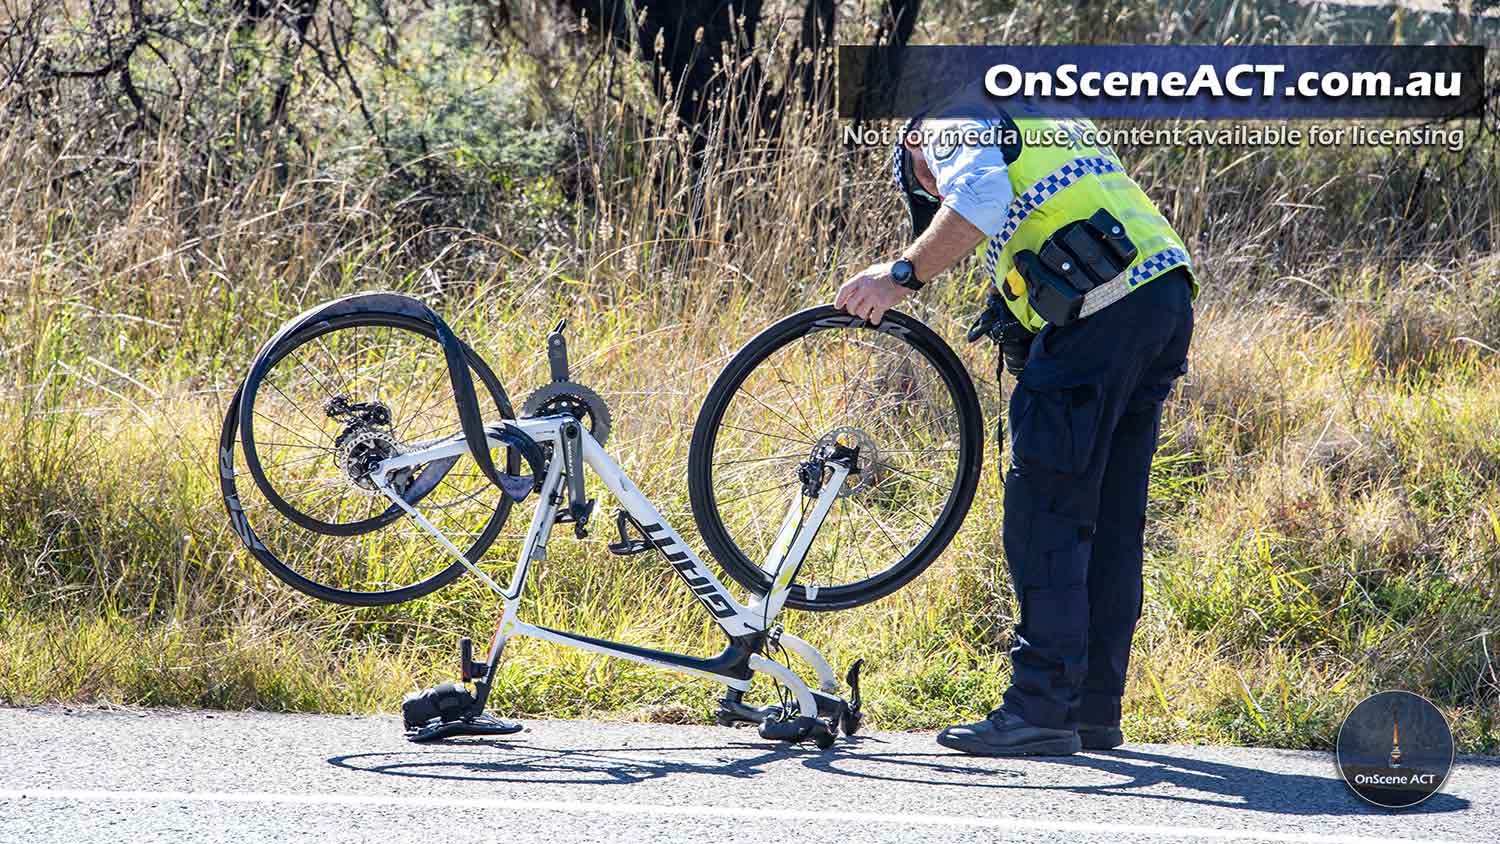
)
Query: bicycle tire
[
  {"x": 919, "y": 338},
  {"x": 234, "y": 432}
]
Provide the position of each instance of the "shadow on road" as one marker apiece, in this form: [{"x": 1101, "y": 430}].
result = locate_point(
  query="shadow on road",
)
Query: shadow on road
[
  {"x": 488, "y": 760},
  {"x": 1124, "y": 772},
  {"x": 1140, "y": 774}
]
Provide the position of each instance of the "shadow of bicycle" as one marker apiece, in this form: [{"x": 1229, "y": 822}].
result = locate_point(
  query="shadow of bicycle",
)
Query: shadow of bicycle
[
  {"x": 522, "y": 761},
  {"x": 1141, "y": 773},
  {"x": 1148, "y": 775}
]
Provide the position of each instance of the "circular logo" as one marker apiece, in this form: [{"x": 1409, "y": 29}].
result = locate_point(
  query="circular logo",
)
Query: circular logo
[{"x": 1395, "y": 749}]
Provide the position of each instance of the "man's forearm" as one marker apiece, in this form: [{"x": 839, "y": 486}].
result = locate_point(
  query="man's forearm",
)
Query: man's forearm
[{"x": 947, "y": 241}]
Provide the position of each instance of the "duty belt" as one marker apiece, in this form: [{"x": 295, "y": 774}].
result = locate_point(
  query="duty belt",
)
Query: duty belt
[
  {"x": 996, "y": 314},
  {"x": 1114, "y": 290}
]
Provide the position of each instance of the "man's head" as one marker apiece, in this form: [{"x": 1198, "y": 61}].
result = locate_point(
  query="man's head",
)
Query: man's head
[{"x": 914, "y": 178}]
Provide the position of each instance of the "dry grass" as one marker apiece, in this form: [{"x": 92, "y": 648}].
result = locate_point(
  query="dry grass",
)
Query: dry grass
[{"x": 1324, "y": 502}]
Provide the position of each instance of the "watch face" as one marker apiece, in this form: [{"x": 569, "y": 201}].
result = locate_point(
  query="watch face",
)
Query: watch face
[{"x": 901, "y": 271}]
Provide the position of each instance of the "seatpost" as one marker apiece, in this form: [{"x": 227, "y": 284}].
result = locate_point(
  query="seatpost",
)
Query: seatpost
[{"x": 557, "y": 352}]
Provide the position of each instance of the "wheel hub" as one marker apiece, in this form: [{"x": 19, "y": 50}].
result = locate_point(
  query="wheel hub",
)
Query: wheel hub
[
  {"x": 866, "y": 472},
  {"x": 359, "y": 450}
]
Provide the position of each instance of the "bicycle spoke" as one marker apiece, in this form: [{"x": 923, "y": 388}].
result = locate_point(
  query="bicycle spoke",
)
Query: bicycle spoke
[
  {"x": 757, "y": 492},
  {"x": 764, "y": 433},
  {"x": 316, "y": 426},
  {"x": 787, "y": 456},
  {"x": 796, "y": 405},
  {"x": 372, "y": 546},
  {"x": 870, "y": 389},
  {"x": 781, "y": 416},
  {"x": 293, "y": 433}
]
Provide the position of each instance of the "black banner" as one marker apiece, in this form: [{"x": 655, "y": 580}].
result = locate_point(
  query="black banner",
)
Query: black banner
[{"x": 1255, "y": 82}]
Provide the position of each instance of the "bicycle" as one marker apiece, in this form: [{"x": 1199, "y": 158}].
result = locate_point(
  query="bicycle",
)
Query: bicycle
[{"x": 349, "y": 469}]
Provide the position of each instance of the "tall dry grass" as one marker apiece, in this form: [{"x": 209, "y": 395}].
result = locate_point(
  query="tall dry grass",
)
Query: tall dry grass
[{"x": 1323, "y": 505}]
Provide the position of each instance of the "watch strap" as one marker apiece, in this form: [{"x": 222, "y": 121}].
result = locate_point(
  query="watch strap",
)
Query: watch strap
[{"x": 911, "y": 281}]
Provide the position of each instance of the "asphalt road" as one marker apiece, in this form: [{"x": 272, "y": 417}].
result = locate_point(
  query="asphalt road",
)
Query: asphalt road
[{"x": 123, "y": 776}]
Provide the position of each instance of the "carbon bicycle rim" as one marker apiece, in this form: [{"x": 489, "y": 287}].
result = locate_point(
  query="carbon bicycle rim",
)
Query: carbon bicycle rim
[
  {"x": 337, "y": 396},
  {"x": 896, "y": 391}
]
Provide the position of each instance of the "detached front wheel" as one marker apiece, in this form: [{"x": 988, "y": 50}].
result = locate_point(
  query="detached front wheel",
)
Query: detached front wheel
[{"x": 821, "y": 378}]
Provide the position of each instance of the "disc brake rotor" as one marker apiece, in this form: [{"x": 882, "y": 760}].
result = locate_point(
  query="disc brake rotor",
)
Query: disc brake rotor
[
  {"x": 869, "y": 457},
  {"x": 359, "y": 450}
]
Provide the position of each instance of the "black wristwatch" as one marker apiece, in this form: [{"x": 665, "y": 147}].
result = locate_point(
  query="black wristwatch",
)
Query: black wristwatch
[{"x": 904, "y": 274}]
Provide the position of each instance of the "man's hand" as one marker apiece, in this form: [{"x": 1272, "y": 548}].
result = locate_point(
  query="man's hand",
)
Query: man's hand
[{"x": 870, "y": 293}]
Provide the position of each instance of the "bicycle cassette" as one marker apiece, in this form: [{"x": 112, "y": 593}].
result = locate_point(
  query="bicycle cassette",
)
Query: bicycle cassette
[
  {"x": 358, "y": 450},
  {"x": 576, "y": 400}
]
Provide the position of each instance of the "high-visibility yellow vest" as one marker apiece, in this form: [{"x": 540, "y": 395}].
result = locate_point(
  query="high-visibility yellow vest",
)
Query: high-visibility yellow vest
[{"x": 1055, "y": 185}]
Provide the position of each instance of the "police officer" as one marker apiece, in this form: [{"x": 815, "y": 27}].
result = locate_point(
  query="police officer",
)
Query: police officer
[{"x": 1093, "y": 310}]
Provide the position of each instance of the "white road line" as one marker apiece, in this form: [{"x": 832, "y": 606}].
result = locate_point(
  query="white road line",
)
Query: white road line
[{"x": 591, "y": 807}]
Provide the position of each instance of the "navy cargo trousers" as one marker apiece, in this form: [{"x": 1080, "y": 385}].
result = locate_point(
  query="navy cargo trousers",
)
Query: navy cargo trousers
[{"x": 1084, "y": 420}]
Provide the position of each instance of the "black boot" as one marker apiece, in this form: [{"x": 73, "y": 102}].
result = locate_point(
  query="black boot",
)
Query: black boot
[
  {"x": 1100, "y": 736},
  {"x": 1008, "y": 734}
]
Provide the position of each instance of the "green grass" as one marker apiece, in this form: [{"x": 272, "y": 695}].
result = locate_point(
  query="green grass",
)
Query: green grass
[
  {"x": 1305, "y": 549},
  {"x": 1324, "y": 503}
]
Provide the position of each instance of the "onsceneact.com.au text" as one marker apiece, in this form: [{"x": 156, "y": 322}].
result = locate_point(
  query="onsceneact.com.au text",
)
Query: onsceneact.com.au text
[{"x": 1241, "y": 80}]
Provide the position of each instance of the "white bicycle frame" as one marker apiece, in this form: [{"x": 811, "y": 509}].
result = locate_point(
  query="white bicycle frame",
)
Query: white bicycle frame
[{"x": 737, "y": 620}]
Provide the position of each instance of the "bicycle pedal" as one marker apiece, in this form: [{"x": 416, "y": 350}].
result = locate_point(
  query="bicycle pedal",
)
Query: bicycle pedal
[
  {"x": 565, "y": 514},
  {"x": 628, "y": 546},
  {"x": 578, "y": 516}
]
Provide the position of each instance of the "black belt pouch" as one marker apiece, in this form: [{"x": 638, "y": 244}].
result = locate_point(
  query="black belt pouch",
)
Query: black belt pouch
[{"x": 1077, "y": 258}]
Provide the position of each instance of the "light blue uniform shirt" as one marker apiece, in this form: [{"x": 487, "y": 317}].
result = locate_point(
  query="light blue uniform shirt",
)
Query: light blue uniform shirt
[{"x": 972, "y": 179}]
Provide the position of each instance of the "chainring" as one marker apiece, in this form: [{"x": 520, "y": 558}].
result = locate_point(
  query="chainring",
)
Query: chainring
[{"x": 575, "y": 400}]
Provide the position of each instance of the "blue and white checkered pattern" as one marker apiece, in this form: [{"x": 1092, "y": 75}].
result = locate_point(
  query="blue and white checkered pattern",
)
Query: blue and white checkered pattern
[
  {"x": 1116, "y": 288},
  {"x": 1022, "y": 206},
  {"x": 1155, "y": 265},
  {"x": 1048, "y": 186},
  {"x": 906, "y": 129}
]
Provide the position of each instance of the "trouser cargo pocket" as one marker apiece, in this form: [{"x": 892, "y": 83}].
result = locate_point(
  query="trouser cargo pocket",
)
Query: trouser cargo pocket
[{"x": 1055, "y": 428}]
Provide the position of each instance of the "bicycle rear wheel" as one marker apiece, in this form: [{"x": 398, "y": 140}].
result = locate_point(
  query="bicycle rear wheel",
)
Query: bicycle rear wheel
[
  {"x": 337, "y": 397},
  {"x": 822, "y": 376}
]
